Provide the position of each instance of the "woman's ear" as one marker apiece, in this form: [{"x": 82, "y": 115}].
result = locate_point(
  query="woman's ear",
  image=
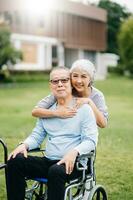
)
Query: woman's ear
[{"x": 90, "y": 84}]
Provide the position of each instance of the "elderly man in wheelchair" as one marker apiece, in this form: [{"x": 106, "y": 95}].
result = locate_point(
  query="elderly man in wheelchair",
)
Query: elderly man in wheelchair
[{"x": 67, "y": 169}]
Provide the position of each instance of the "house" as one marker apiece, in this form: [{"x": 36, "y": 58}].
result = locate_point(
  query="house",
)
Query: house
[{"x": 57, "y": 35}]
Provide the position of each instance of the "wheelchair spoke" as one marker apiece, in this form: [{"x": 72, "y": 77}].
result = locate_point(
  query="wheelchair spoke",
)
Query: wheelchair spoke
[{"x": 36, "y": 191}]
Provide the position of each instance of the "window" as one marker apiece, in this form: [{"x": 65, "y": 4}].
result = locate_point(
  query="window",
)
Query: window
[{"x": 54, "y": 56}]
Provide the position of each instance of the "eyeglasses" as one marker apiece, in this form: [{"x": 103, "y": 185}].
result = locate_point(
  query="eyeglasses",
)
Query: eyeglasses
[{"x": 62, "y": 80}]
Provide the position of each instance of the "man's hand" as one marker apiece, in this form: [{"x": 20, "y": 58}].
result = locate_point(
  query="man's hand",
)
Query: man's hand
[
  {"x": 69, "y": 160},
  {"x": 66, "y": 112},
  {"x": 22, "y": 148}
]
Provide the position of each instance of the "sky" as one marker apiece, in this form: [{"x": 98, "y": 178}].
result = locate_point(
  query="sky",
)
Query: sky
[{"x": 127, "y": 3}]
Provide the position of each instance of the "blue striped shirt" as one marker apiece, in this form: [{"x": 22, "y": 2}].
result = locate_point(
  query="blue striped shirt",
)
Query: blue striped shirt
[{"x": 79, "y": 132}]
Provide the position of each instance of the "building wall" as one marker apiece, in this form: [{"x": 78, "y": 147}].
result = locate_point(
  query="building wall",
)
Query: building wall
[{"x": 74, "y": 31}]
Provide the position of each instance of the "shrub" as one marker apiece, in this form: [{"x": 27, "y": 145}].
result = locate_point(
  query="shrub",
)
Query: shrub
[{"x": 125, "y": 41}]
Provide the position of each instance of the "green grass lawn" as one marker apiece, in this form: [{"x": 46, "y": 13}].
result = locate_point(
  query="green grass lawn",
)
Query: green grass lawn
[{"x": 114, "y": 164}]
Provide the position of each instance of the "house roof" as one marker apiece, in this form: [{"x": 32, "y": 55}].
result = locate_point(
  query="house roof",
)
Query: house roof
[{"x": 75, "y": 8}]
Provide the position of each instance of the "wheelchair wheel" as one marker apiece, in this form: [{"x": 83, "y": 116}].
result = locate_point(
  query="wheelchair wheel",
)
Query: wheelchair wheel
[
  {"x": 97, "y": 193},
  {"x": 35, "y": 196},
  {"x": 35, "y": 192}
]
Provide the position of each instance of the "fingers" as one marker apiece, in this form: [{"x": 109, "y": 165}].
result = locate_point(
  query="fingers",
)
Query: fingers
[
  {"x": 60, "y": 162},
  {"x": 9, "y": 157},
  {"x": 78, "y": 104},
  {"x": 68, "y": 114},
  {"x": 13, "y": 155},
  {"x": 25, "y": 154},
  {"x": 69, "y": 167},
  {"x": 68, "y": 164},
  {"x": 20, "y": 149},
  {"x": 71, "y": 110}
]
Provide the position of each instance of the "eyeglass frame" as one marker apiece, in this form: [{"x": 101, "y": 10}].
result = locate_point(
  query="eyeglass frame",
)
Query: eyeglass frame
[{"x": 62, "y": 80}]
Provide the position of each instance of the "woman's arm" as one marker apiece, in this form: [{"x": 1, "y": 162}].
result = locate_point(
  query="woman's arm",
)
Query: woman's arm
[
  {"x": 100, "y": 118},
  {"x": 47, "y": 113},
  {"x": 43, "y": 113},
  {"x": 42, "y": 110},
  {"x": 99, "y": 115}
]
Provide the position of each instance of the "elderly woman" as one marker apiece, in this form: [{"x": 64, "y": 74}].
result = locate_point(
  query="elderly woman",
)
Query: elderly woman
[{"x": 82, "y": 77}]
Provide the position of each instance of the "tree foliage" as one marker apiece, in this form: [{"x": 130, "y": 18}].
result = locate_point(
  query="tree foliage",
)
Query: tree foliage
[
  {"x": 116, "y": 14},
  {"x": 125, "y": 41},
  {"x": 8, "y": 54}
]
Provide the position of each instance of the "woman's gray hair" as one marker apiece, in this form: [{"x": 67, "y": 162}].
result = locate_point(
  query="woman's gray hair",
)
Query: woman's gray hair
[{"x": 84, "y": 64}]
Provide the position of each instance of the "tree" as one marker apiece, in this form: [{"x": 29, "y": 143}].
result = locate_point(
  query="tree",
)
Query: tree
[
  {"x": 116, "y": 14},
  {"x": 8, "y": 54},
  {"x": 125, "y": 41}
]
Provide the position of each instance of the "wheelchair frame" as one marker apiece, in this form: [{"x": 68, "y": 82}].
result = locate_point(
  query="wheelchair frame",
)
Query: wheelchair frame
[
  {"x": 4, "y": 164},
  {"x": 83, "y": 188}
]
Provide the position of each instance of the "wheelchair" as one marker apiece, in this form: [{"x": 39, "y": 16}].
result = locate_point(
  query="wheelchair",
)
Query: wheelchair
[{"x": 82, "y": 188}]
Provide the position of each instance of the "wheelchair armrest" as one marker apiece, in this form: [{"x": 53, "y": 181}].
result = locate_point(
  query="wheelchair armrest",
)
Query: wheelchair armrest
[
  {"x": 36, "y": 150},
  {"x": 2, "y": 166},
  {"x": 5, "y": 150},
  {"x": 89, "y": 167},
  {"x": 87, "y": 156}
]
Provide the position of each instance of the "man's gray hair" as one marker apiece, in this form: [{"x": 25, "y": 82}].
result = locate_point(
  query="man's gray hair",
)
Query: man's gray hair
[
  {"x": 84, "y": 64},
  {"x": 60, "y": 68}
]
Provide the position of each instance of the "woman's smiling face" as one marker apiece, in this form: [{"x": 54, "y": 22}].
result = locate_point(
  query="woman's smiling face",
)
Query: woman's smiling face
[{"x": 80, "y": 80}]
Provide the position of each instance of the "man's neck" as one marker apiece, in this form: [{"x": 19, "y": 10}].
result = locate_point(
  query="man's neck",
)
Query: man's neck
[{"x": 64, "y": 101}]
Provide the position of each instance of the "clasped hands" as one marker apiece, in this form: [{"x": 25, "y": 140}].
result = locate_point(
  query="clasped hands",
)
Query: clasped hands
[{"x": 67, "y": 112}]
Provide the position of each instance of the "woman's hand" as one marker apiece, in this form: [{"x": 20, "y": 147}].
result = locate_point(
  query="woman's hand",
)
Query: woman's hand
[
  {"x": 81, "y": 101},
  {"x": 66, "y": 112}
]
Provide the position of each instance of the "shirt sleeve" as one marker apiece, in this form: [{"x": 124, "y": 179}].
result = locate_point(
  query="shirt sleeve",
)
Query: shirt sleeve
[
  {"x": 99, "y": 101},
  {"x": 37, "y": 136},
  {"x": 46, "y": 102},
  {"x": 89, "y": 131}
]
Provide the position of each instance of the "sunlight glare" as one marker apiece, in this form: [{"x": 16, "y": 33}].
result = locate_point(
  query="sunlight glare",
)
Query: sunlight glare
[{"x": 39, "y": 6}]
